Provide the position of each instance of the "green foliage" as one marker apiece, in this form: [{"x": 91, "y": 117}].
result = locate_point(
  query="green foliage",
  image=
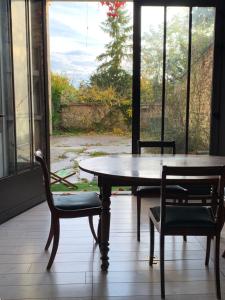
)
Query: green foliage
[{"x": 63, "y": 92}]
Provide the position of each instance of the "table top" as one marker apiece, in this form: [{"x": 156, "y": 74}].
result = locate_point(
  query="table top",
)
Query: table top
[{"x": 144, "y": 166}]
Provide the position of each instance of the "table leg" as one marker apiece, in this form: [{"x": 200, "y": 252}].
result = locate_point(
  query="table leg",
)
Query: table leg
[{"x": 105, "y": 224}]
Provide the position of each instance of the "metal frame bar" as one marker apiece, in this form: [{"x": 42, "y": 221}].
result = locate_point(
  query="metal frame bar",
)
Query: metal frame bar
[
  {"x": 188, "y": 81},
  {"x": 13, "y": 88},
  {"x": 164, "y": 76},
  {"x": 136, "y": 75},
  {"x": 46, "y": 82},
  {"x": 29, "y": 57},
  {"x": 189, "y": 3}
]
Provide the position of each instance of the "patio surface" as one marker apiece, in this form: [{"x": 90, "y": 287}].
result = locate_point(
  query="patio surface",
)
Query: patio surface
[
  {"x": 76, "y": 271},
  {"x": 66, "y": 151}
]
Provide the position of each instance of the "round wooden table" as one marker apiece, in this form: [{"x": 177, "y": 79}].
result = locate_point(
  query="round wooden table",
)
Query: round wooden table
[{"x": 128, "y": 170}]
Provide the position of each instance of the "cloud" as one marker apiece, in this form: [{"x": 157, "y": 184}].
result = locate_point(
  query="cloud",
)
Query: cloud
[{"x": 76, "y": 38}]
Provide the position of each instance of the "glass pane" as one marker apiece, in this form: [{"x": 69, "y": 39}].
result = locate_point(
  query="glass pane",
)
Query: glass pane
[
  {"x": 37, "y": 74},
  {"x": 176, "y": 75},
  {"x": 7, "y": 145},
  {"x": 201, "y": 78},
  {"x": 151, "y": 72},
  {"x": 20, "y": 58}
]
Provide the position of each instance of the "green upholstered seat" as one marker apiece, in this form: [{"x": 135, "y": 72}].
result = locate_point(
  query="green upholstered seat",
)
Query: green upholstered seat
[
  {"x": 186, "y": 216},
  {"x": 202, "y": 189},
  {"x": 78, "y": 201},
  {"x": 145, "y": 191}
]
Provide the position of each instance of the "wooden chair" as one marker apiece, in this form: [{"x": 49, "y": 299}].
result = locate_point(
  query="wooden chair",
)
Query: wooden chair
[
  {"x": 154, "y": 190},
  {"x": 190, "y": 218},
  {"x": 86, "y": 204}
]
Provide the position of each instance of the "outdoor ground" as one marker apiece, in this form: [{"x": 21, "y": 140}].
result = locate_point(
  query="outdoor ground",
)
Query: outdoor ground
[{"x": 67, "y": 151}]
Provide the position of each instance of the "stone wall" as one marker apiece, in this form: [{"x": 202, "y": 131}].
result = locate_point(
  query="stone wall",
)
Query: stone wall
[{"x": 91, "y": 117}]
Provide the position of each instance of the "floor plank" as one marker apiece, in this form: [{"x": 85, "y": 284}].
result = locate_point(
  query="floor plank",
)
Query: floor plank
[{"x": 76, "y": 272}]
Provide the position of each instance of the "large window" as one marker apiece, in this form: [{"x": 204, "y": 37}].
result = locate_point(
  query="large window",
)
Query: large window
[
  {"x": 176, "y": 66},
  {"x": 22, "y": 109},
  {"x": 7, "y": 134}
]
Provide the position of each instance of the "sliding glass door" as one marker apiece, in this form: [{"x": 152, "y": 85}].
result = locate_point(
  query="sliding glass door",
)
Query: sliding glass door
[
  {"x": 23, "y": 103},
  {"x": 173, "y": 53}
]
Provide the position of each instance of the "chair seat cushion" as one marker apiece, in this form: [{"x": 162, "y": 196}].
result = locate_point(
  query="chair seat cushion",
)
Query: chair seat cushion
[
  {"x": 78, "y": 201},
  {"x": 186, "y": 216},
  {"x": 146, "y": 191}
]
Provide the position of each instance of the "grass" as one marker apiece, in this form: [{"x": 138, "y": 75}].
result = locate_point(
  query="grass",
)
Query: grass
[
  {"x": 83, "y": 187},
  {"x": 98, "y": 153}
]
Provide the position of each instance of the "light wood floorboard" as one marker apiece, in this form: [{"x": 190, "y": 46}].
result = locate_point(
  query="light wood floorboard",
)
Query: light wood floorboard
[{"x": 76, "y": 272}]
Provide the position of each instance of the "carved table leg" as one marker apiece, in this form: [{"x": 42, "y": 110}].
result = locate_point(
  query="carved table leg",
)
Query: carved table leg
[{"x": 105, "y": 224}]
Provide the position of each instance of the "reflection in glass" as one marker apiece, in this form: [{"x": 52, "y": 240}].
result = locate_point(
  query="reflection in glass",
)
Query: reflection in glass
[
  {"x": 176, "y": 75},
  {"x": 7, "y": 144},
  {"x": 203, "y": 19},
  {"x": 37, "y": 73},
  {"x": 21, "y": 85},
  {"x": 152, "y": 19}
]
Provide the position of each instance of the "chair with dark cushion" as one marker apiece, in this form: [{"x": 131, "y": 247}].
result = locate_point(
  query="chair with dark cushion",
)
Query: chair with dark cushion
[
  {"x": 154, "y": 191},
  {"x": 195, "y": 218},
  {"x": 85, "y": 204}
]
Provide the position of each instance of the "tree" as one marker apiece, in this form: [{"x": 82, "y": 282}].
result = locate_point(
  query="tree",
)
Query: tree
[{"x": 111, "y": 72}]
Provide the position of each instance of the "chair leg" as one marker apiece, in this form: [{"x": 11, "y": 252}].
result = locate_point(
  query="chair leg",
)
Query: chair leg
[
  {"x": 162, "y": 275},
  {"x": 217, "y": 266},
  {"x": 185, "y": 238},
  {"x": 99, "y": 230},
  {"x": 138, "y": 218},
  {"x": 152, "y": 240},
  {"x": 50, "y": 236},
  {"x": 208, "y": 244},
  {"x": 55, "y": 242},
  {"x": 90, "y": 218}
]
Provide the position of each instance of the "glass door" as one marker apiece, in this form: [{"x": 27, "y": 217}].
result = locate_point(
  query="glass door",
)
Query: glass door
[
  {"x": 173, "y": 94},
  {"x": 7, "y": 132}
]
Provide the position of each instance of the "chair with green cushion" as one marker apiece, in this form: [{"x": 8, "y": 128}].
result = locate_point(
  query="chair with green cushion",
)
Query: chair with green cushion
[
  {"x": 154, "y": 190},
  {"x": 85, "y": 204},
  {"x": 195, "y": 218}
]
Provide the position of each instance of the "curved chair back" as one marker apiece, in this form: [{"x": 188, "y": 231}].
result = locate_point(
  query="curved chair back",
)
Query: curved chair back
[
  {"x": 212, "y": 175},
  {"x": 46, "y": 178},
  {"x": 157, "y": 144}
]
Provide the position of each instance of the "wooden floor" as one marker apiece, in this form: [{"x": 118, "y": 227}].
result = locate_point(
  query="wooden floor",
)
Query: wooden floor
[{"x": 76, "y": 271}]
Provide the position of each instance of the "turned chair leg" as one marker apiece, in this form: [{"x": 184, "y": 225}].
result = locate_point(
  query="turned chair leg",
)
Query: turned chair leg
[
  {"x": 207, "y": 256},
  {"x": 50, "y": 236},
  {"x": 99, "y": 230},
  {"x": 138, "y": 218},
  {"x": 217, "y": 266},
  {"x": 162, "y": 275},
  {"x": 152, "y": 241},
  {"x": 90, "y": 218},
  {"x": 55, "y": 242}
]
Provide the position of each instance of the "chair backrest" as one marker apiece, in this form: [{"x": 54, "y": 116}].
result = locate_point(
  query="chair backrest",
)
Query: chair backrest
[
  {"x": 157, "y": 144},
  {"x": 46, "y": 177},
  {"x": 213, "y": 175}
]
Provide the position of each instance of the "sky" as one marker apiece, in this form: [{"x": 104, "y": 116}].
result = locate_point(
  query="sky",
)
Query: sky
[{"x": 76, "y": 38}]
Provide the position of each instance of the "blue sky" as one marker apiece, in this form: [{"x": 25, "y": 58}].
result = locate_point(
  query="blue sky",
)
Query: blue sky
[{"x": 76, "y": 38}]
